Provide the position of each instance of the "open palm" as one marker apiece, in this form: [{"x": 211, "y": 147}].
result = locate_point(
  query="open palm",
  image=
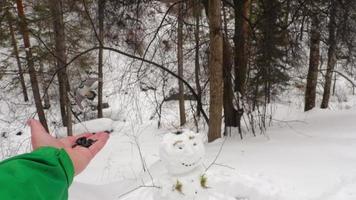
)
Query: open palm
[{"x": 80, "y": 156}]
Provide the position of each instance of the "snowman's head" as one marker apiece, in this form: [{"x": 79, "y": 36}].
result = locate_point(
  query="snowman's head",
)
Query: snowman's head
[{"x": 182, "y": 151}]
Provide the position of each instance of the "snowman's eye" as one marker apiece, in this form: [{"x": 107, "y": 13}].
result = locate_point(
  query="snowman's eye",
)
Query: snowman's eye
[
  {"x": 194, "y": 144},
  {"x": 180, "y": 147}
]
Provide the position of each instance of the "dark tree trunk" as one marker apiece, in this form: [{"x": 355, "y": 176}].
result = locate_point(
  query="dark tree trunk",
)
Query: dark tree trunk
[
  {"x": 30, "y": 64},
  {"x": 215, "y": 70},
  {"x": 197, "y": 65},
  {"x": 314, "y": 56},
  {"x": 16, "y": 52},
  {"x": 46, "y": 83},
  {"x": 331, "y": 54},
  {"x": 334, "y": 86},
  {"x": 101, "y": 6},
  {"x": 230, "y": 112},
  {"x": 61, "y": 57},
  {"x": 353, "y": 86},
  {"x": 69, "y": 118},
  {"x": 242, "y": 12},
  {"x": 180, "y": 65}
]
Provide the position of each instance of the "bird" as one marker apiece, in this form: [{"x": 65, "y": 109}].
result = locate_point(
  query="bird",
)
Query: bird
[{"x": 86, "y": 90}]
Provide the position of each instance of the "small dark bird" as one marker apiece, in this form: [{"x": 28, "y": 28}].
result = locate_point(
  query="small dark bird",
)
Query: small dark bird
[
  {"x": 179, "y": 132},
  {"x": 4, "y": 134}
]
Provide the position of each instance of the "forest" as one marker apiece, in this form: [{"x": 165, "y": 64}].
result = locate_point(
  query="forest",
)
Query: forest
[{"x": 257, "y": 78}]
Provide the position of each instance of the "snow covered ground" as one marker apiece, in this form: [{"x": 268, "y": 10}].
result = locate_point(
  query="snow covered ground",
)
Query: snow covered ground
[{"x": 303, "y": 156}]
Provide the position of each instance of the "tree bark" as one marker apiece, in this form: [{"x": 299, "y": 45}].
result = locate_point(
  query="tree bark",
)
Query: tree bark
[
  {"x": 230, "y": 115},
  {"x": 30, "y": 64},
  {"x": 42, "y": 80},
  {"x": 61, "y": 57},
  {"x": 16, "y": 52},
  {"x": 215, "y": 70},
  {"x": 180, "y": 65},
  {"x": 314, "y": 57},
  {"x": 229, "y": 110},
  {"x": 69, "y": 118},
  {"x": 334, "y": 86},
  {"x": 197, "y": 65},
  {"x": 331, "y": 54},
  {"x": 101, "y": 7},
  {"x": 242, "y": 12}
]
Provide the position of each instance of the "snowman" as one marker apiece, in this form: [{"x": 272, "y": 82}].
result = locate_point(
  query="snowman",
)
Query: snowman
[{"x": 182, "y": 154}]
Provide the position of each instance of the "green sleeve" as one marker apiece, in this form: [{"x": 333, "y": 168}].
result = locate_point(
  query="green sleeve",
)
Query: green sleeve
[{"x": 44, "y": 174}]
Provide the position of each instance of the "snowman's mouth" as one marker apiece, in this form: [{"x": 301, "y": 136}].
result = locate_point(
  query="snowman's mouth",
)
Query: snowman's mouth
[{"x": 190, "y": 164}]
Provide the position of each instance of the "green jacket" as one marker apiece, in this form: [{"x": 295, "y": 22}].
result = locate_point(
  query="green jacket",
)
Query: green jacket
[{"x": 44, "y": 174}]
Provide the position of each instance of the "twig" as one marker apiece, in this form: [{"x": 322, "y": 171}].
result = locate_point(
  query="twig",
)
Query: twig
[
  {"x": 92, "y": 23},
  {"x": 217, "y": 155},
  {"x": 136, "y": 188},
  {"x": 156, "y": 33},
  {"x": 289, "y": 121},
  {"x": 291, "y": 127},
  {"x": 222, "y": 165}
]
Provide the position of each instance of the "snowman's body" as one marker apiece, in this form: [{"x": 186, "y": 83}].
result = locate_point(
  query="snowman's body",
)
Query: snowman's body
[{"x": 182, "y": 155}]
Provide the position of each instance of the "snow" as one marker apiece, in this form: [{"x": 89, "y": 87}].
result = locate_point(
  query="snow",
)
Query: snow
[
  {"x": 309, "y": 156},
  {"x": 91, "y": 126},
  {"x": 182, "y": 153},
  {"x": 302, "y": 156}
]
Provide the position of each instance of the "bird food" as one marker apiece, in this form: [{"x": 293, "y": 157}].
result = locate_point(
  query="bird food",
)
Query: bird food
[{"x": 84, "y": 142}]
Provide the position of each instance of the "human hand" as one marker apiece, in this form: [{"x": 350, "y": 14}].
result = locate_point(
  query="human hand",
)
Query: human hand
[{"x": 80, "y": 156}]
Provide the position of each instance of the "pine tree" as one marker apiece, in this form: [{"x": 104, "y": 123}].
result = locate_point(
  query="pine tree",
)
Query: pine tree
[
  {"x": 331, "y": 53},
  {"x": 30, "y": 64},
  {"x": 10, "y": 20},
  {"x": 241, "y": 37},
  {"x": 314, "y": 56},
  {"x": 180, "y": 64},
  {"x": 56, "y": 7},
  {"x": 101, "y": 9},
  {"x": 270, "y": 71}
]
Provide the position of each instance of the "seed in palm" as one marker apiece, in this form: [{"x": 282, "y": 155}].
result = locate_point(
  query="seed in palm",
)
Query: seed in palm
[{"x": 84, "y": 142}]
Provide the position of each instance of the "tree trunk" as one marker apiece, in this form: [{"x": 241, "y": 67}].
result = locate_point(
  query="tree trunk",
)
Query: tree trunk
[
  {"x": 228, "y": 94},
  {"x": 314, "y": 56},
  {"x": 60, "y": 46},
  {"x": 101, "y": 6},
  {"x": 229, "y": 110},
  {"x": 334, "y": 86},
  {"x": 46, "y": 80},
  {"x": 353, "y": 86},
  {"x": 180, "y": 65},
  {"x": 331, "y": 55},
  {"x": 16, "y": 52},
  {"x": 351, "y": 74},
  {"x": 197, "y": 65},
  {"x": 215, "y": 70},
  {"x": 69, "y": 118},
  {"x": 30, "y": 64},
  {"x": 242, "y": 12},
  {"x": 43, "y": 83}
]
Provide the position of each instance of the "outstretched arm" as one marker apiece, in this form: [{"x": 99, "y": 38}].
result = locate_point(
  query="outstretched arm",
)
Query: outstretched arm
[{"x": 48, "y": 171}]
